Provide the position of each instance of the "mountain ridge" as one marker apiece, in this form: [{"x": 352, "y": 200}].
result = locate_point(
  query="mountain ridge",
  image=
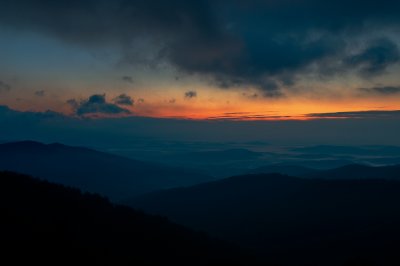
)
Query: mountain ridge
[
  {"x": 112, "y": 175},
  {"x": 317, "y": 221}
]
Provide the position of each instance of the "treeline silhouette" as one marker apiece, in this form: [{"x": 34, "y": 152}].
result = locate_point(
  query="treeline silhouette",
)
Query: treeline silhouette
[{"x": 48, "y": 224}]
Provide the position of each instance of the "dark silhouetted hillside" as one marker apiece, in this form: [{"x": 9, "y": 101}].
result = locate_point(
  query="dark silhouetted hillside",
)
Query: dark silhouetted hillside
[
  {"x": 358, "y": 171},
  {"x": 114, "y": 176},
  {"x": 295, "y": 221},
  {"x": 48, "y": 224}
]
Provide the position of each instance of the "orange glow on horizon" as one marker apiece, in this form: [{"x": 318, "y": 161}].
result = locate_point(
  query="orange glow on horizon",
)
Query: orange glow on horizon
[{"x": 218, "y": 105}]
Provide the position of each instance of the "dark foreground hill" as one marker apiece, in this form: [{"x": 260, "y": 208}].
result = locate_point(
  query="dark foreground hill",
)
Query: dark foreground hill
[
  {"x": 114, "y": 176},
  {"x": 358, "y": 171},
  {"x": 47, "y": 224},
  {"x": 294, "y": 221}
]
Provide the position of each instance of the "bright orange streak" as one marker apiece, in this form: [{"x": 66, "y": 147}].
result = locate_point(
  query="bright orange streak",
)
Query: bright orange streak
[{"x": 281, "y": 109}]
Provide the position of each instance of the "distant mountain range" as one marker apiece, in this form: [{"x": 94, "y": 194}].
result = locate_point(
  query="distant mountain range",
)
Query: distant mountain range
[
  {"x": 351, "y": 171},
  {"x": 47, "y": 224},
  {"x": 111, "y": 175},
  {"x": 350, "y": 150},
  {"x": 229, "y": 159},
  {"x": 292, "y": 170},
  {"x": 220, "y": 155},
  {"x": 295, "y": 221}
]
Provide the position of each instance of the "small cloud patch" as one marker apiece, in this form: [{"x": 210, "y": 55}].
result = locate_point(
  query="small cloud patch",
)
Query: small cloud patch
[
  {"x": 128, "y": 79},
  {"x": 190, "y": 95},
  {"x": 123, "y": 99},
  {"x": 94, "y": 105},
  {"x": 40, "y": 93},
  {"x": 4, "y": 86}
]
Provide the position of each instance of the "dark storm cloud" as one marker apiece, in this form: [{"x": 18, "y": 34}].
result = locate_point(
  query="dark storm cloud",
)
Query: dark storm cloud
[
  {"x": 40, "y": 93},
  {"x": 358, "y": 114},
  {"x": 4, "y": 86},
  {"x": 235, "y": 43},
  {"x": 190, "y": 94},
  {"x": 385, "y": 90},
  {"x": 93, "y": 21},
  {"x": 271, "y": 42},
  {"x": 96, "y": 104},
  {"x": 123, "y": 99}
]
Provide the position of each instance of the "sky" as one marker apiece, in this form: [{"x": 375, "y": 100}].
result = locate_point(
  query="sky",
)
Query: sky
[
  {"x": 203, "y": 60},
  {"x": 200, "y": 59}
]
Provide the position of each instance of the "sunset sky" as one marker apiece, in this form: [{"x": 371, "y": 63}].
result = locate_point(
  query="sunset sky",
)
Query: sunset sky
[{"x": 200, "y": 59}]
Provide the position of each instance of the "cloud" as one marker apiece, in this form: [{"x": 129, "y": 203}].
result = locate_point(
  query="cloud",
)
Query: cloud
[
  {"x": 4, "y": 86},
  {"x": 123, "y": 99},
  {"x": 385, "y": 90},
  {"x": 240, "y": 116},
  {"x": 269, "y": 42},
  {"x": 128, "y": 79},
  {"x": 376, "y": 58},
  {"x": 73, "y": 103},
  {"x": 28, "y": 116},
  {"x": 250, "y": 95},
  {"x": 96, "y": 104},
  {"x": 233, "y": 43},
  {"x": 358, "y": 114},
  {"x": 190, "y": 94},
  {"x": 40, "y": 93}
]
